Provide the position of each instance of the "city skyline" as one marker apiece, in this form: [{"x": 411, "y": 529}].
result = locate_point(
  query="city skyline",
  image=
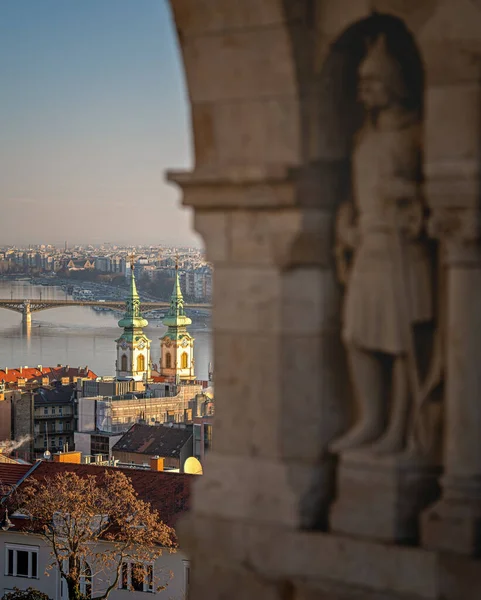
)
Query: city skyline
[{"x": 93, "y": 111}]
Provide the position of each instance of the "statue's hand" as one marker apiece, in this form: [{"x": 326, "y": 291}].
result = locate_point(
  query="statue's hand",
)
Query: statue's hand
[
  {"x": 401, "y": 196},
  {"x": 347, "y": 233},
  {"x": 396, "y": 190},
  {"x": 411, "y": 218}
]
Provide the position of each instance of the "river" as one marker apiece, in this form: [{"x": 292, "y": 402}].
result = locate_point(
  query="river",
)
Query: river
[{"x": 75, "y": 336}]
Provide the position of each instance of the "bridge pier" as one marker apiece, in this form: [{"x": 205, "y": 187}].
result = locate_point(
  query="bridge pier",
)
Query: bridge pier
[{"x": 26, "y": 315}]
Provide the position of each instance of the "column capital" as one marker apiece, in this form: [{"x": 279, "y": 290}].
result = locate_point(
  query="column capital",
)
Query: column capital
[
  {"x": 459, "y": 229},
  {"x": 320, "y": 184}
]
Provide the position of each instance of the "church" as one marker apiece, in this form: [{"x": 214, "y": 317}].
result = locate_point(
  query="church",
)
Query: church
[
  {"x": 176, "y": 346},
  {"x": 133, "y": 346}
]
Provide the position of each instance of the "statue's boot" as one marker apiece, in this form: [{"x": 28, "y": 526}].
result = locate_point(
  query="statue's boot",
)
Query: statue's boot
[
  {"x": 367, "y": 379},
  {"x": 393, "y": 440}
]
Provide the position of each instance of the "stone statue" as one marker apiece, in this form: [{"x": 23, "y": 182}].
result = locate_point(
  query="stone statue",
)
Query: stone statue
[{"x": 384, "y": 260}]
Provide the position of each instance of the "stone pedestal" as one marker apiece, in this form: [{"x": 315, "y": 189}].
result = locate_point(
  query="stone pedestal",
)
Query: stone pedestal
[
  {"x": 381, "y": 497},
  {"x": 454, "y": 523}
]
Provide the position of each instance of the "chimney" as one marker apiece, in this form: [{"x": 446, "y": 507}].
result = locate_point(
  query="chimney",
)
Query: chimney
[
  {"x": 6, "y": 370},
  {"x": 68, "y": 457},
  {"x": 156, "y": 463},
  {"x": 21, "y": 370}
]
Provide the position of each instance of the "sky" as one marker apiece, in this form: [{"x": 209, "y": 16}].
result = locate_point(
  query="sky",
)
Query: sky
[{"x": 93, "y": 111}]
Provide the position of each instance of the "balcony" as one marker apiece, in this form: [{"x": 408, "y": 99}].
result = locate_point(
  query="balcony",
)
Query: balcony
[{"x": 47, "y": 417}]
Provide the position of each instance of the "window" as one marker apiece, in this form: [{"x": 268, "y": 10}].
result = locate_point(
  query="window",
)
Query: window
[
  {"x": 60, "y": 410},
  {"x": 123, "y": 362},
  {"x": 53, "y": 410},
  {"x": 168, "y": 361},
  {"x": 86, "y": 581},
  {"x": 67, "y": 426},
  {"x": 184, "y": 360},
  {"x": 140, "y": 362},
  {"x": 186, "y": 577},
  {"x": 137, "y": 577},
  {"x": 21, "y": 561},
  {"x": 45, "y": 411}
]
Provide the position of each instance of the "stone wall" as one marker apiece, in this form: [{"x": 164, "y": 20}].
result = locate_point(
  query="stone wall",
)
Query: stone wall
[{"x": 272, "y": 86}]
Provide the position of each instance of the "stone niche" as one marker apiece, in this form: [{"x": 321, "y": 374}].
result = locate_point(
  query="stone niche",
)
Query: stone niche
[{"x": 289, "y": 507}]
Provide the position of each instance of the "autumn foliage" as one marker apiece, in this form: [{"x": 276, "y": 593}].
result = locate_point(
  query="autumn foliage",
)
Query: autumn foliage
[{"x": 94, "y": 524}]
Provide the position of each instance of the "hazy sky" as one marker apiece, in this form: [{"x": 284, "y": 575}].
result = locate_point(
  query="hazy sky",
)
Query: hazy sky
[{"x": 93, "y": 110}]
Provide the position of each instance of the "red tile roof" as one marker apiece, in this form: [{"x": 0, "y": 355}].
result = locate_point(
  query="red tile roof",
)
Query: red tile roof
[
  {"x": 32, "y": 374},
  {"x": 11, "y": 473},
  {"x": 168, "y": 493}
]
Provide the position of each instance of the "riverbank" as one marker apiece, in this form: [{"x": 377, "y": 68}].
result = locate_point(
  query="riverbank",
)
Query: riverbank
[{"x": 99, "y": 292}]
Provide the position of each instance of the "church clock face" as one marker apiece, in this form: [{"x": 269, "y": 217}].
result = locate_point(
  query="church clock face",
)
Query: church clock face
[
  {"x": 141, "y": 344},
  {"x": 168, "y": 342},
  {"x": 185, "y": 343},
  {"x": 123, "y": 345}
]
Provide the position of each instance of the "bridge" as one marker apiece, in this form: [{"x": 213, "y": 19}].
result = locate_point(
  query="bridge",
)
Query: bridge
[{"x": 27, "y": 307}]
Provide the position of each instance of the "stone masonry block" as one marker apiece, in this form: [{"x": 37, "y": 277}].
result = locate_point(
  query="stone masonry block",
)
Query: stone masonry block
[
  {"x": 248, "y": 394},
  {"x": 213, "y": 226},
  {"x": 449, "y": 63},
  {"x": 247, "y": 300},
  {"x": 204, "y": 134},
  {"x": 453, "y": 118},
  {"x": 254, "y": 299},
  {"x": 414, "y": 13},
  {"x": 269, "y": 388},
  {"x": 238, "y": 132},
  {"x": 214, "y": 582},
  {"x": 287, "y": 238},
  {"x": 316, "y": 556},
  {"x": 452, "y": 22},
  {"x": 336, "y": 15},
  {"x": 260, "y": 490},
  {"x": 257, "y": 63},
  {"x": 310, "y": 301},
  {"x": 315, "y": 395},
  {"x": 263, "y": 130},
  {"x": 201, "y": 17}
]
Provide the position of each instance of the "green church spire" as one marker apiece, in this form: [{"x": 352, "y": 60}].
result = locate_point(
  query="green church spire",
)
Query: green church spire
[
  {"x": 176, "y": 317},
  {"x": 132, "y": 318}
]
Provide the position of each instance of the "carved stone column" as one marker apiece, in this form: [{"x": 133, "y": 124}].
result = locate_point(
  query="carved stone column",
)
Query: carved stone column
[
  {"x": 454, "y": 523},
  {"x": 278, "y": 386}
]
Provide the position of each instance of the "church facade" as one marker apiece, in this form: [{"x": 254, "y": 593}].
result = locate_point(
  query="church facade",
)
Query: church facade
[
  {"x": 133, "y": 346},
  {"x": 177, "y": 345}
]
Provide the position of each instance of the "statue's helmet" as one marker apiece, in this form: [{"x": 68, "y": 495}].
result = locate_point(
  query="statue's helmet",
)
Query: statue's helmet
[{"x": 380, "y": 65}]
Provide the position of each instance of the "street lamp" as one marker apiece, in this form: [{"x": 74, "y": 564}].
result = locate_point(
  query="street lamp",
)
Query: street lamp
[
  {"x": 5, "y": 523},
  {"x": 6, "y": 490}
]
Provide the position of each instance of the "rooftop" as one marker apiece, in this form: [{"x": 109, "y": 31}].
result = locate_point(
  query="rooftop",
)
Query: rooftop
[
  {"x": 153, "y": 440},
  {"x": 168, "y": 493}
]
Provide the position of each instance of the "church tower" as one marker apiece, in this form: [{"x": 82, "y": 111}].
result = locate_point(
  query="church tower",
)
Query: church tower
[
  {"x": 177, "y": 345},
  {"x": 133, "y": 346}
]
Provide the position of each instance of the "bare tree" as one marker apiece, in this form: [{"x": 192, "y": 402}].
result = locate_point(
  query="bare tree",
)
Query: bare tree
[{"x": 96, "y": 526}]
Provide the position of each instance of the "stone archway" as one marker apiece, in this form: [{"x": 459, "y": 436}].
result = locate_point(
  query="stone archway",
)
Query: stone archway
[{"x": 271, "y": 166}]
